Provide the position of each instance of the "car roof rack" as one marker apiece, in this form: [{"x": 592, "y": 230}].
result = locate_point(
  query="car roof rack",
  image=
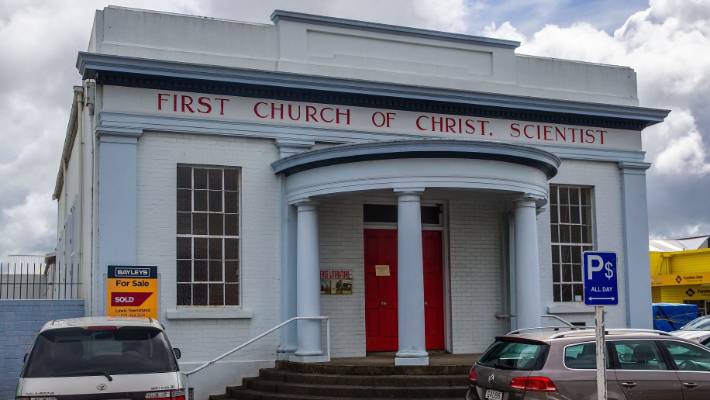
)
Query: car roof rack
[
  {"x": 609, "y": 332},
  {"x": 544, "y": 328}
]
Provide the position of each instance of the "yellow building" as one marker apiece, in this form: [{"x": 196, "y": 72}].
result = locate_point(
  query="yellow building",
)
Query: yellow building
[{"x": 680, "y": 272}]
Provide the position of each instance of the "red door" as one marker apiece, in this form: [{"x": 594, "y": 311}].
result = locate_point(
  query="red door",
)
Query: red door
[
  {"x": 381, "y": 289},
  {"x": 433, "y": 289}
]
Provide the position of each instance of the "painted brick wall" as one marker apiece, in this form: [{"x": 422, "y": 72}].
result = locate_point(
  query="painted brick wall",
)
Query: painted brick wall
[
  {"x": 605, "y": 178},
  {"x": 341, "y": 247},
  {"x": 475, "y": 250},
  {"x": 204, "y": 338},
  {"x": 20, "y": 322}
]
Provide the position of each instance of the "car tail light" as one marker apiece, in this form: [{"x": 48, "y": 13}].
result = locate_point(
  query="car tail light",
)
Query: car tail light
[
  {"x": 534, "y": 384},
  {"x": 102, "y": 328},
  {"x": 472, "y": 375},
  {"x": 166, "y": 395}
]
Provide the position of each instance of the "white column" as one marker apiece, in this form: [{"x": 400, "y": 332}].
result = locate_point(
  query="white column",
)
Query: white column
[
  {"x": 308, "y": 282},
  {"x": 288, "y": 282},
  {"x": 635, "y": 265},
  {"x": 527, "y": 267},
  {"x": 410, "y": 281}
]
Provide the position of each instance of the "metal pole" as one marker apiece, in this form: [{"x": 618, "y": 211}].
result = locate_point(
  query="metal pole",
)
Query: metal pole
[{"x": 601, "y": 359}]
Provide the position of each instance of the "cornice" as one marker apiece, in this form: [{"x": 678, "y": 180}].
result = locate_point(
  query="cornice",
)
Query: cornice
[{"x": 170, "y": 75}]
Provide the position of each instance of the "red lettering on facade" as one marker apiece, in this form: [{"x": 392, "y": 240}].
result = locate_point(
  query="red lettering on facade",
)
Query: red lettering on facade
[{"x": 203, "y": 105}]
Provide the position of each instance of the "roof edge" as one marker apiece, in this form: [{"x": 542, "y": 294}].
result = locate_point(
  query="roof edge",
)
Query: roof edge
[
  {"x": 315, "y": 19},
  {"x": 419, "y": 148},
  {"x": 91, "y": 64},
  {"x": 69, "y": 138}
]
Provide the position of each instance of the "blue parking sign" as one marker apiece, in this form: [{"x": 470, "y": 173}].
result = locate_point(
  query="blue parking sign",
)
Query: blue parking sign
[{"x": 600, "y": 278}]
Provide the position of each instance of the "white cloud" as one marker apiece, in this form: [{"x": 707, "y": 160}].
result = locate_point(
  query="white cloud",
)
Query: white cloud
[{"x": 669, "y": 47}]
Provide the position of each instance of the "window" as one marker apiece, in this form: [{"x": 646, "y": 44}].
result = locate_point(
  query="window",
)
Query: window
[
  {"x": 109, "y": 350},
  {"x": 583, "y": 356},
  {"x": 525, "y": 356},
  {"x": 688, "y": 357},
  {"x": 387, "y": 214},
  {"x": 639, "y": 355},
  {"x": 571, "y": 234},
  {"x": 207, "y": 236}
]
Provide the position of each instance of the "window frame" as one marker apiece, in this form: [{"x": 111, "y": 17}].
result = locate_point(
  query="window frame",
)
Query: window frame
[
  {"x": 560, "y": 246},
  {"x": 192, "y": 236}
]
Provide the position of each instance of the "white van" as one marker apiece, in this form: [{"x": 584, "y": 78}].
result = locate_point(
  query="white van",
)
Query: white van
[{"x": 101, "y": 358}]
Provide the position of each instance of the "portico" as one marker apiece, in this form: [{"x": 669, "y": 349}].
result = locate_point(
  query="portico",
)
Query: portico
[{"x": 407, "y": 169}]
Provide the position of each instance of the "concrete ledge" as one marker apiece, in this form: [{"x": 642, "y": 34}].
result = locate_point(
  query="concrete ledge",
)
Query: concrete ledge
[
  {"x": 569, "y": 308},
  {"x": 208, "y": 313}
]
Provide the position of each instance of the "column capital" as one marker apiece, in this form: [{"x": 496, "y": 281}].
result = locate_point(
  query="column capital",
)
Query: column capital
[
  {"x": 413, "y": 192},
  {"x": 529, "y": 200},
  {"x": 304, "y": 202},
  {"x": 631, "y": 167}
]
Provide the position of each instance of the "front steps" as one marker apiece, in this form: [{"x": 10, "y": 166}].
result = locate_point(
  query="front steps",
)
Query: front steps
[{"x": 329, "y": 381}]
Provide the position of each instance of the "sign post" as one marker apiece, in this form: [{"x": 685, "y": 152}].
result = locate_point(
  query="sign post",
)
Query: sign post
[
  {"x": 600, "y": 289},
  {"x": 132, "y": 291}
]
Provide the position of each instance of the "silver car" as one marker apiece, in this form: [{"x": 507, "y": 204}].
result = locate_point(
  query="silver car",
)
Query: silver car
[
  {"x": 697, "y": 330},
  {"x": 560, "y": 364}
]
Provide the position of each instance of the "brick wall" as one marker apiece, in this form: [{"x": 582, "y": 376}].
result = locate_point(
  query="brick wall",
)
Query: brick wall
[
  {"x": 204, "y": 338},
  {"x": 476, "y": 269},
  {"x": 341, "y": 247},
  {"x": 605, "y": 178},
  {"x": 20, "y": 320}
]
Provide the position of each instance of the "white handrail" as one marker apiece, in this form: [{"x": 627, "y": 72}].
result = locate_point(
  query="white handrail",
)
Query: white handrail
[
  {"x": 564, "y": 321},
  {"x": 254, "y": 339}
]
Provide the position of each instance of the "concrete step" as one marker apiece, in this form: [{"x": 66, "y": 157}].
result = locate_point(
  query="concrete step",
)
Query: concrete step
[
  {"x": 401, "y": 390},
  {"x": 364, "y": 380},
  {"x": 339, "y": 369}
]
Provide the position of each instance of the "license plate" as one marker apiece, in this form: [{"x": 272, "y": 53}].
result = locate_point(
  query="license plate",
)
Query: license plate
[{"x": 493, "y": 395}]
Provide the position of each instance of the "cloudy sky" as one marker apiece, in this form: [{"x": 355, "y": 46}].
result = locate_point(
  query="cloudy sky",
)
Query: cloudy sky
[{"x": 667, "y": 43}]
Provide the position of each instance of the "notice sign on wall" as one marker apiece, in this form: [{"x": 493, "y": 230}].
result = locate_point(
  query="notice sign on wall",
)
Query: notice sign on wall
[
  {"x": 336, "y": 281},
  {"x": 132, "y": 291}
]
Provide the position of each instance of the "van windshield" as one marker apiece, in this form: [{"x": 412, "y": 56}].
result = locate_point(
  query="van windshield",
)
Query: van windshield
[
  {"x": 99, "y": 351},
  {"x": 516, "y": 355}
]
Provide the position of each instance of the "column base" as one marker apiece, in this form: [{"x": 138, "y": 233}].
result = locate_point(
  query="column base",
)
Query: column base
[
  {"x": 411, "y": 358},
  {"x": 283, "y": 353},
  {"x": 307, "y": 359}
]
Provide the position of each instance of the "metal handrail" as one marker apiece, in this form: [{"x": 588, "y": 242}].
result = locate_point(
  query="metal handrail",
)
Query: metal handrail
[
  {"x": 254, "y": 339},
  {"x": 564, "y": 321}
]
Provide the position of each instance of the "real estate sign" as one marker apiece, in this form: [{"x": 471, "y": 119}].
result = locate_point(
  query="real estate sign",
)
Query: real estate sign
[{"x": 132, "y": 291}]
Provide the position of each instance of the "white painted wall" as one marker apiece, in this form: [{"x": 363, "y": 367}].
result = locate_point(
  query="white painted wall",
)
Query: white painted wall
[
  {"x": 605, "y": 178},
  {"x": 209, "y": 335},
  {"x": 476, "y": 270},
  {"x": 321, "y": 49}
]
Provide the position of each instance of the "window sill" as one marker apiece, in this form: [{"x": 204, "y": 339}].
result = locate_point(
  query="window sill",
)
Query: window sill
[
  {"x": 569, "y": 308},
  {"x": 208, "y": 313}
]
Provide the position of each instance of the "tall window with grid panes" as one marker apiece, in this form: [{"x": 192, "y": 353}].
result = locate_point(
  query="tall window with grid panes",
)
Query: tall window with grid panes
[
  {"x": 207, "y": 259},
  {"x": 572, "y": 233}
]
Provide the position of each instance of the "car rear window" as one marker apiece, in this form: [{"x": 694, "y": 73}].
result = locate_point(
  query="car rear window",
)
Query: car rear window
[
  {"x": 99, "y": 351},
  {"x": 518, "y": 355}
]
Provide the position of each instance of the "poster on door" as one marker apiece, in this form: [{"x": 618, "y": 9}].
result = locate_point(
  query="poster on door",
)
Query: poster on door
[
  {"x": 336, "y": 282},
  {"x": 132, "y": 291}
]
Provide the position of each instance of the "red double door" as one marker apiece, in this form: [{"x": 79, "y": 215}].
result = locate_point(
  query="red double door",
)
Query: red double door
[{"x": 381, "y": 289}]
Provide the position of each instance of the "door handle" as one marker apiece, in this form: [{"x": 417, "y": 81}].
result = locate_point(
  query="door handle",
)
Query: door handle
[
  {"x": 690, "y": 385},
  {"x": 628, "y": 384}
]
